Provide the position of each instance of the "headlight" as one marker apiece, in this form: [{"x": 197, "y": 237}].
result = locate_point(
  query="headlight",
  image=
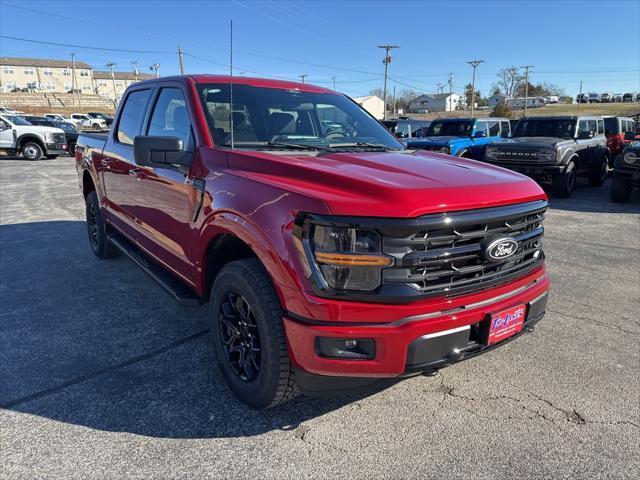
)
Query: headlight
[
  {"x": 342, "y": 257},
  {"x": 547, "y": 154},
  {"x": 49, "y": 137},
  {"x": 491, "y": 152},
  {"x": 630, "y": 158}
]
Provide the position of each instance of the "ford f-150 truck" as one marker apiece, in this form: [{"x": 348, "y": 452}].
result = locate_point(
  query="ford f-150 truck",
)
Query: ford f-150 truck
[
  {"x": 462, "y": 137},
  {"x": 332, "y": 257},
  {"x": 556, "y": 150}
]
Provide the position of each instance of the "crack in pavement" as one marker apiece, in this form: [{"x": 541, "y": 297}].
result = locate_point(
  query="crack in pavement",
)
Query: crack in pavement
[
  {"x": 594, "y": 321},
  {"x": 89, "y": 376},
  {"x": 301, "y": 433}
]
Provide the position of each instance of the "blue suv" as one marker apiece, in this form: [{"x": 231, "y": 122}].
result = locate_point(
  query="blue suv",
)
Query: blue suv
[{"x": 462, "y": 137}]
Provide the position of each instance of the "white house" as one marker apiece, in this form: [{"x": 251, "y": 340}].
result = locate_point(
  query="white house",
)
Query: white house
[
  {"x": 372, "y": 104},
  {"x": 437, "y": 102}
]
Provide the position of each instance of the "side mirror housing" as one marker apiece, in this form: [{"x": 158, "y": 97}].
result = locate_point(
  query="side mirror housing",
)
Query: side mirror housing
[
  {"x": 585, "y": 135},
  {"x": 152, "y": 151},
  {"x": 630, "y": 136}
]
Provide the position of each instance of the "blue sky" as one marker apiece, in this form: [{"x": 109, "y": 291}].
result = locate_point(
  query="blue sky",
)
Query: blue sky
[{"x": 596, "y": 42}]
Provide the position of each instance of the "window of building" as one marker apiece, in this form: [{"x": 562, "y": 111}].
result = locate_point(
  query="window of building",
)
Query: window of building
[
  {"x": 66, "y": 72},
  {"x": 102, "y": 83},
  {"x": 118, "y": 83},
  {"x": 28, "y": 70},
  {"x": 130, "y": 122},
  {"x": 84, "y": 73},
  {"x": 67, "y": 87},
  {"x": 47, "y": 72},
  {"x": 32, "y": 85},
  {"x": 7, "y": 69},
  {"x": 170, "y": 117},
  {"x": 86, "y": 86},
  {"x": 11, "y": 85},
  {"x": 50, "y": 86}
]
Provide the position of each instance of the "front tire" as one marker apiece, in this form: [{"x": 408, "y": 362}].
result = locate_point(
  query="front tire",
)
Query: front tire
[
  {"x": 564, "y": 183},
  {"x": 598, "y": 173},
  {"x": 620, "y": 190},
  {"x": 248, "y": 335},
  {"x": 97, "y": 229},
  {"x": 31, "y": 151}
]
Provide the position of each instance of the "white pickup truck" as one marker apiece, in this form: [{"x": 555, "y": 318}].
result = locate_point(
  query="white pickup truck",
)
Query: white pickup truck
[
  {"x": 85, "y": 121},
  {"x": 18, "y": 136}
]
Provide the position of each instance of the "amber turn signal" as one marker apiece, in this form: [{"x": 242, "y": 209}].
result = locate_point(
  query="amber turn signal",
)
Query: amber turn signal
[{"x": 350, "y": 259}]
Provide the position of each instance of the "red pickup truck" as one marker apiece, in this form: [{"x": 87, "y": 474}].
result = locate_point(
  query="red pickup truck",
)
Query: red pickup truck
[{"x": 331, "y": 256}]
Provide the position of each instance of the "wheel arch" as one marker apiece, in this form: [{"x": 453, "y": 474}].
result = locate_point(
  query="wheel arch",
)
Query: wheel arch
[{"x": 30, "y": 137}]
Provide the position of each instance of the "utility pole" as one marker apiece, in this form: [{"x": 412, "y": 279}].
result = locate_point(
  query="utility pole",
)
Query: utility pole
[
  {"x": 440, "y": 87},
  {"x": 302, "y": 77},
  {"x": 386, "y": 61},
  {"x": 474, "y": 64},
  {"x": 110, "y": 66},
  {"x": 334, "y": 83},
  {"x": 526, "y": 87},
  {"x": 156, "y": 68},
  {"x": 135, "y": 69},
  {"x": 450, "y": 93},
  {"x": 180, "y": 58},
  {"x": 580, "y": 98},
  {"x": 73, "y": 81}
]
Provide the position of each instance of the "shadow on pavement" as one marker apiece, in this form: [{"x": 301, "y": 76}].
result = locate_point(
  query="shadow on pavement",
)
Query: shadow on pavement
[
  {"x": 98, "y": 344},
  {"x": 593, "y": 199}
]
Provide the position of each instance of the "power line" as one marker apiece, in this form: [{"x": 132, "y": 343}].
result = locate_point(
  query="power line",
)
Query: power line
[{"x": 156, "y": 52}]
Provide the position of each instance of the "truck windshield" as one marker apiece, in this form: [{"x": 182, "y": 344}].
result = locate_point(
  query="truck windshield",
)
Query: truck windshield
[
  {"x": 450, "y": 129},
  {"x": 16, "y": 120},
  {"x": 276, "y": 119},
  {"x": 545, "y": 128}
]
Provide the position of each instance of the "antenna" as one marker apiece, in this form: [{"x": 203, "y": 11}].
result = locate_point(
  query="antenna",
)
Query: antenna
[{"x": 231, "y": 84}]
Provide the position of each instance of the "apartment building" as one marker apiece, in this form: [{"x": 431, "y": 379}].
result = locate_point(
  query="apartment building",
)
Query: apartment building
[
  {"x": 113, "y": 88},
  {"x": 44, "y": 75}
]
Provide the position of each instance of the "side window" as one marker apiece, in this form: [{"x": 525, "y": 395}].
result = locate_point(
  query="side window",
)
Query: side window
[
  {"x": 505, "y": 128},
  {"x": 494, "y": 128},
  {"x": 583, "y": 126},
  {"x": 600, "y": 127},
  {"x": 481, "y": 127},
  {"x": 591, "y": 126},
  {"x": 170, "y": 117},
  {"x": 130, "y": 122}
]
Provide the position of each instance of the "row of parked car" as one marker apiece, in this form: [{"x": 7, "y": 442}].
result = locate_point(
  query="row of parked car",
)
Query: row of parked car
[
  {"x": 50, "y": 135},
  {"x": 550, "y": 149},
  {"x": 594, "y": 97}
]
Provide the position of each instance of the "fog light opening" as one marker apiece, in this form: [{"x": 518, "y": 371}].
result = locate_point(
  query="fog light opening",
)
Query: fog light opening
[{"x": 345, "y": 348}]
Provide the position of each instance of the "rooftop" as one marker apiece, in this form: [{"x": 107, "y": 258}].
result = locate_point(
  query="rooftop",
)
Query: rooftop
[
  {"x": 40, "y": 62},
  {"x": 100, "y": 74}
]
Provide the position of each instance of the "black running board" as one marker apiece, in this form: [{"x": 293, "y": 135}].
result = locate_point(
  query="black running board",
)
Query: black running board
[{"x": 174, "y": 287}]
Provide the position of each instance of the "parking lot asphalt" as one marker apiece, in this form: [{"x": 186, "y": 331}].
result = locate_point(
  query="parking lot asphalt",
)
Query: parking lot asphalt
[{"x": 102, "y": 375}]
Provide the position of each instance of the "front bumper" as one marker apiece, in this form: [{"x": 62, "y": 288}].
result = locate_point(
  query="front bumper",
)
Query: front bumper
[
  {"x": 531, "y": 170},
  {"x": 56, "y": 148},
  {"x": 408, "y": 345},
  {"x": 628, "y": 174}
]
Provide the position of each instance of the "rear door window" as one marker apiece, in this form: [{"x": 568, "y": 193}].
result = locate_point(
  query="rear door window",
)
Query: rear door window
[
  {"x": 130, "y": 123},
  {"x": 505, "y": 128},
  {"x": 494, "y": 128}
]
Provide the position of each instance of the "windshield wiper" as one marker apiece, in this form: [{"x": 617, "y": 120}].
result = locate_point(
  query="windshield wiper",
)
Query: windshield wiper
[
  {"x": 376, "y": 146},
  {"x": 298, "y": 146}
]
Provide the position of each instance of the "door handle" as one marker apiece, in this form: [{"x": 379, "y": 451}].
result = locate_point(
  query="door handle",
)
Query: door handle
[
  {"x": 105, "y": 162},
  {"x": 137, "y": 172}
]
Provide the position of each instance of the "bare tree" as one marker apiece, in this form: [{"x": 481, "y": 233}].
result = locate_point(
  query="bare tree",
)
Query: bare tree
[{"x": 509, "y": 79}]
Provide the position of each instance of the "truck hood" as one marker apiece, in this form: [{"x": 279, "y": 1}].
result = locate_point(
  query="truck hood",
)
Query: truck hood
[
  {"x": 539, "y": 142},
  {"x": 37, "y": 129},
  {"x": 389, "y": 184},
  {"x": 433, "y": 141}
]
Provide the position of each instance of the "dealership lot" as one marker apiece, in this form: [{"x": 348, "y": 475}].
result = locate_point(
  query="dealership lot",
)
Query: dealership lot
[{"x": 103, "y": 375}]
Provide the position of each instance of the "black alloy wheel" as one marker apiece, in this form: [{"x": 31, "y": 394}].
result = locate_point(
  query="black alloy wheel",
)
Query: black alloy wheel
[{"x": 240, "y": 337}]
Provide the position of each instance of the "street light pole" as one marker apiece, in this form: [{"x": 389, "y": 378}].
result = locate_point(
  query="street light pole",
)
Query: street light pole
[
  {"x": 302, "y": 77},
  {"x": 386, "y": 61},
  {"x": 474, "y": 64},
  {"x": 526, "y": 87},
  {"x": 156, "y": 68},
  {"x": 334, "y": 83},
  {"x": 110, "y": 66},
  {"x": 450, "y": 94}
]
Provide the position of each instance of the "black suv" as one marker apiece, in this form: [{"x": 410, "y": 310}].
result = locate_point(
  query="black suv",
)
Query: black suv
[
  {"x": 555, "y": 150},
  {"x": 70, "y": 132},
  {"x": 407, "y": 127},
  {"x": 626, "y": 173}
]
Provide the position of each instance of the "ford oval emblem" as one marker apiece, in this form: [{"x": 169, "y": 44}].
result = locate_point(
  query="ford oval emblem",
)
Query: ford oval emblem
[{"x": 501, "y": 249}]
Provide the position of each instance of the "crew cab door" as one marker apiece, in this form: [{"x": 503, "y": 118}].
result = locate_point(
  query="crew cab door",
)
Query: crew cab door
[
  {"x": 117, "y": 165},
  {"x": 585, "y": 145},
  {"x": 6, "y": 134},
  {"x": 165, "y": 199}
]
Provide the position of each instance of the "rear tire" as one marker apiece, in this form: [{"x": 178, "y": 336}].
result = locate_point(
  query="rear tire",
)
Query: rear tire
[
  {"x": 97, "y": 229},
  {"x": 31, "y": 151},
  {"x": 620, "y": 190},
  {"x": 248, "y": 335},
  {"x": 564, "y": 183},
  {"x": 598, "y": 173}
]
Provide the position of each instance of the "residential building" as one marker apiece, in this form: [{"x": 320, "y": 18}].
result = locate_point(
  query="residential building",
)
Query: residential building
[
  {"x": 113, "y": 88},
  {"x": 44, "y": 75},
  {"x": 532, "y": 102},
  {"x": 372, "y": 104},
  {"x": 438, "y": 102}
]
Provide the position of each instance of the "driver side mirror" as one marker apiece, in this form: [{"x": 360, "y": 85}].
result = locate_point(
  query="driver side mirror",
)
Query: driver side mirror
[
  {"x": 630, "y": 136},
  {"x": 585, "y": 135},
  {"x": 152, "y": 151}
]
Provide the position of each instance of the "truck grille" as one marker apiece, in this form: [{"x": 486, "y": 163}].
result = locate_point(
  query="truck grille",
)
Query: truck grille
[
  {"x": 445, "y": 253},
  {"x": 518, "y": 155}
]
